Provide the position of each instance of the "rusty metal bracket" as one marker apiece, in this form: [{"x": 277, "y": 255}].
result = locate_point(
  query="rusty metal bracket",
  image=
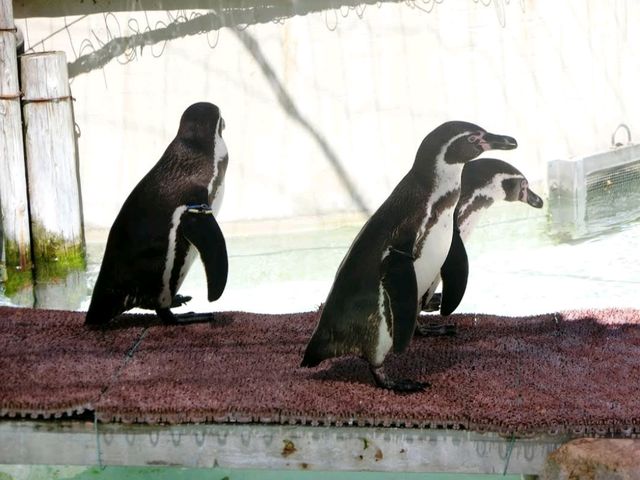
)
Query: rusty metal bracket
[
  {"x": 15, "y": 96},
  {"x": 47, "y": 100}
]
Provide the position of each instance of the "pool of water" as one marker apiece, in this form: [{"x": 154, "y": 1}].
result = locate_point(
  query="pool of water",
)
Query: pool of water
[{"x": 516, "y": 268}]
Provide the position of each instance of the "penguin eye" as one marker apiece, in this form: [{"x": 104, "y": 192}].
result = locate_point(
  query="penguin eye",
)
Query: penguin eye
[
  {"x": 524, "y": 185},
  {"x": 475, "y": 137}
]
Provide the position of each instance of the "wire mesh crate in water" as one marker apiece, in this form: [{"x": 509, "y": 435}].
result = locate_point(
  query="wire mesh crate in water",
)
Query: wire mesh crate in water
[{"x": 590, "y": 195}]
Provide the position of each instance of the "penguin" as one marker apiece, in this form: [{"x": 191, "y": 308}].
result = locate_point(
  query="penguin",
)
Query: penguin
[
  {"x": 484, "y": 181},
  {"x": 168, "y": 219},
  {"x": 372, "y": 305}
]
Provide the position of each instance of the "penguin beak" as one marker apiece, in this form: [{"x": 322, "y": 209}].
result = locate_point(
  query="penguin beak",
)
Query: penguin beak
[
  {"x": 491, "y": 141},
  {"x": 532, "y": 199}
]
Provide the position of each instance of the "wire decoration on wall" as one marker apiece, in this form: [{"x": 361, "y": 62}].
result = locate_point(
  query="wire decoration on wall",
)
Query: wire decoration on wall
[{"x": 113, "y": 40}]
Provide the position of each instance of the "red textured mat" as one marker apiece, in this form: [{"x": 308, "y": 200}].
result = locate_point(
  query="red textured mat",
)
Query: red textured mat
[
  {"x": 573, "y": 372},
  {"x": 51, "y": 365}
]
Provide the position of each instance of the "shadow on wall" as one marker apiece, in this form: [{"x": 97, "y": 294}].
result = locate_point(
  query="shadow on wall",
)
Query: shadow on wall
[{"x": 200, "y": 23}]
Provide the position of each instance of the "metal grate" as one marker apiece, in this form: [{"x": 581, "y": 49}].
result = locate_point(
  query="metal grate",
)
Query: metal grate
[
  {"x": 613, "y": 196},
  {"x": 592, "y": 194}
]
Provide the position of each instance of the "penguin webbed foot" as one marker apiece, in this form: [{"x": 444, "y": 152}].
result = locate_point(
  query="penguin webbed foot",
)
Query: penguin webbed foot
[
  {"x": 433, "y": 305},
  {"x": 382, "y": 380},
  {"x": 180, "y": 300},
  {"x": 436, "y": 329},
  {"x": 169, "y": 318}
]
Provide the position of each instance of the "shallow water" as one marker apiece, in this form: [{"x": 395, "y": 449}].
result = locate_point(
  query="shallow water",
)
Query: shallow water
[{"x": 516, "y": 268}]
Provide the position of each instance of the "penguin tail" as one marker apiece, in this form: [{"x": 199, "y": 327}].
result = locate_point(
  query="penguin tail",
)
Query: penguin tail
[
  {"x": 95, "y": 317},
  {"x": 102, "y": 309},
  {"x": 316, "y": 352},
  {"x": 310, "y": 359}
]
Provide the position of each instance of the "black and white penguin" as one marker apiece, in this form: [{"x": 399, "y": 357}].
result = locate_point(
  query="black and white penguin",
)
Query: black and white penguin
[
  {"x": 484, "y": 181},
  {"x": 373, "y": 304},
  {"x": 168, "y": 218}
]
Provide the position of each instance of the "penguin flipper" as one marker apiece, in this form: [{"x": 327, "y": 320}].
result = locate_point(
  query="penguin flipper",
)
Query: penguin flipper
[
  {"x": 454, "y": 273},
  {"x": 399, "y": 283},
  {"x": 203, "y": 232}
]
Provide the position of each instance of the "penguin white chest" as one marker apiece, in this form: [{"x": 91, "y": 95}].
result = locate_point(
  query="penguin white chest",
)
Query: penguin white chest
[
  {"x": 215, "y": 189},
  {"x": 192, "y": 253},
  {"x": 215, "y": 200},
  {"x": 434, "y": 251},
  {"x": 433, "y": 239},
  {"x": 166, "y": 295},
  {"x": 468, "y": 226}
]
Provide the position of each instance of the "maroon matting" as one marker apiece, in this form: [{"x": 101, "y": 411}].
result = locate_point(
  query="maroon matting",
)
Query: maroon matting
[
  {"x": 51, "y": 365},
  {"x": 573, "y": 372}
]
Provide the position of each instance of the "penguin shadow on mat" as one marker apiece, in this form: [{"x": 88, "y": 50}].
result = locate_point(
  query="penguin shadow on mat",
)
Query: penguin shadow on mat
[
  {"x": 491, "y": 338},
  {"x": 353, "y": 370},
  {"x": 486, "y": 327},
  {"x": 146, "y": 320}
]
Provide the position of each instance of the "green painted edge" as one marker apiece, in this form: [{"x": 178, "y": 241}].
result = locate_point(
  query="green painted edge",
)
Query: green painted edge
[{"x": 181, "y": 473}]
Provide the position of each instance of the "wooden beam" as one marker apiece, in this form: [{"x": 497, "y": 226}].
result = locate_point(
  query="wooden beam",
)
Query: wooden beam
[
  {"x": 50, "y": 147},
  {"x": 244, "y": 11},
  {"x": 13, "y": 182}
]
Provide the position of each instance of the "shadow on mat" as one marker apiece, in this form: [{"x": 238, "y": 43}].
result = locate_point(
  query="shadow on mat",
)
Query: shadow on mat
[{"x": 133, "y": 320}]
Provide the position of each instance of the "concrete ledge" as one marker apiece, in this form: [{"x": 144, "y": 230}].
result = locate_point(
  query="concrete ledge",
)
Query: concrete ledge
[{"x": 271, "y": 447}]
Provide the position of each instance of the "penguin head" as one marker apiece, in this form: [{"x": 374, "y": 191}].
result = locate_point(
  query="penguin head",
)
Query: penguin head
[
  {"x": 459, "y": 142},
  {"x": 517, "y": 189},
  {"x": 497, "y": 180},
  {"x": 200, "y": 124}
]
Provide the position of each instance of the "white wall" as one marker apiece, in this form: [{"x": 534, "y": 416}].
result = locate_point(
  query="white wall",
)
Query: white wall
[{"x": 559, "y": 76}]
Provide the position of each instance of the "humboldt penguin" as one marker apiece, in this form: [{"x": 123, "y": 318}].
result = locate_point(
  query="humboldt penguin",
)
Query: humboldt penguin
[
  {"x": 372, "y": 306},
  {"x": 484, "y": 182},
  {"x": 167, "y": 219}
]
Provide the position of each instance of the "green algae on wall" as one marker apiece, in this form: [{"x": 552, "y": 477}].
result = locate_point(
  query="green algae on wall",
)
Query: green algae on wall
[
  {"x": 53, "y": 259},
  {"x": 17, "y": 256},
  {"x": 52, "y": 249},
  {"x": 16, "y": 281}
]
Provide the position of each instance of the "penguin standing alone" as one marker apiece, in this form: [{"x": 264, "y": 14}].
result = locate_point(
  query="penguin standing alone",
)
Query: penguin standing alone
[
  {"x": 484, "y": 181},
  {"x": 373, "y": 304},
  {"x": 164, "y": 221}
]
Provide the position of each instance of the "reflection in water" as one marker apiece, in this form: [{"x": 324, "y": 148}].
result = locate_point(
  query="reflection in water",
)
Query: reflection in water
[
  {"x": 515, "y": 268},
  {"x": 66, "y": 293},
  {"x": 57, "y": 293}
]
